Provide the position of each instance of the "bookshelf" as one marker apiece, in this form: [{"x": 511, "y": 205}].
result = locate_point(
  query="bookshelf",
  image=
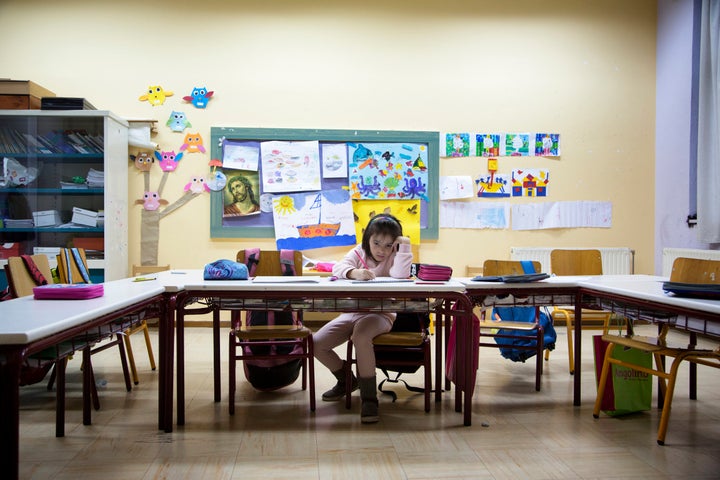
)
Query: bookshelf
[{"x": 78, "y": 159}]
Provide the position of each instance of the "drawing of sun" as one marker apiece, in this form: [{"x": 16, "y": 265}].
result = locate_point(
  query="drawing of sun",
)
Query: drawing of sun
[{"x": 284, "y": 205}]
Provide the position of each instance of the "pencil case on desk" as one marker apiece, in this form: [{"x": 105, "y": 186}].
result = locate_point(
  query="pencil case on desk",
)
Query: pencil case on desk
[{"x": 431, "y": 272}]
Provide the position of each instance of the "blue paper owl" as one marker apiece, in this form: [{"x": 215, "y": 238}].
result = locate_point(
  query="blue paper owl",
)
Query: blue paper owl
[
  {"x": 178, "y": 121},
  {"x": 199, "y": 97}
]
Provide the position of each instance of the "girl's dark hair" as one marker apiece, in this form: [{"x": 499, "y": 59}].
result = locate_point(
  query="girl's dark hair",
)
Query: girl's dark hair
[{"x": 383, "y": 223}]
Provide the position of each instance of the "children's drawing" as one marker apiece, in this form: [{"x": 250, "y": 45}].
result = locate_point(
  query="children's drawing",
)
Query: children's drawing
[
  {"x": 488, "y": 144},
  {"x": 241, "y": 156},
  {"x": 155, "y": 95},
  {"x": 177, "y": 121},
  {"x": 406, "y": 211},
  {"x": 290, "y": 166},
  {"x": 457, "y": 145},
  {"x": 516, "y": 145},
  {"x": 334, "y": 160},
  {"x": 313, "y": 220},
  {"x": 530, "y": 183},
  {"x": 388, "y": 171},
  {"x": 459, "y": 186},
  {"x": 199, "y": 97},
  {"x": 493, "y": 185},
  {"x": 547, "y": 144}
]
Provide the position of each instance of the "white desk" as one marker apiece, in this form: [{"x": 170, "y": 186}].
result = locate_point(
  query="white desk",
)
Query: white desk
[
  {"x": 325, "y": 295},
  {"x": 28, "y": 326}
]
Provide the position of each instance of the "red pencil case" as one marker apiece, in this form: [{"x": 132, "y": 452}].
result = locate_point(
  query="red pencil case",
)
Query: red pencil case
[
  {"x": 427, "y": 271},
  {"x": 66, "y": 291}
]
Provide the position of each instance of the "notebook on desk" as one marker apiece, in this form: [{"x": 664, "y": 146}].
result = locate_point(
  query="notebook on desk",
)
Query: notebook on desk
[
  {"x": 286, "y": 279},
  {"x": 384, "y": 280},
  {"x": 526, "y": 277}
]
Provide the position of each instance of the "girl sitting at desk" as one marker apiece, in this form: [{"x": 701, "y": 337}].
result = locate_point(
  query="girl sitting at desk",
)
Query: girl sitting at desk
[{"x": 384, "y": 252}]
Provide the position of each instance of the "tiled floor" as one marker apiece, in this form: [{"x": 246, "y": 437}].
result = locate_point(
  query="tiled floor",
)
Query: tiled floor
[{"x": 516, "y": 433}]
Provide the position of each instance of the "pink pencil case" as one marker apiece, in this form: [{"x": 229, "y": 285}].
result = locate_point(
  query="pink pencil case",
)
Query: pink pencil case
[{"x": 66, "y": 291}]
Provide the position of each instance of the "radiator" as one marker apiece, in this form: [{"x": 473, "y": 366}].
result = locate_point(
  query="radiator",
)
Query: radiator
[
  {"x": 615, "y": 261},
  {"x": 670, "y": 254}
]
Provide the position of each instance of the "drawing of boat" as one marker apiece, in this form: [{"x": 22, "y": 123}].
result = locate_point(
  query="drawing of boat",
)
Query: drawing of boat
[{"x": 318, "y": 230}]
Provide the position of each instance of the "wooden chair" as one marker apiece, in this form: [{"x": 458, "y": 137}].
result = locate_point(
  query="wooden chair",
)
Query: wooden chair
[
  {"x": 489, "y": 327},
  {"x": 142, "y": 325},
  {"x": 473, "y": 271},
  {"x": 242, "y": 335},
  {"x": 578, "y": 262},
  {"x": 394, "y": 351},
  {"x": 686, "y": 270}
]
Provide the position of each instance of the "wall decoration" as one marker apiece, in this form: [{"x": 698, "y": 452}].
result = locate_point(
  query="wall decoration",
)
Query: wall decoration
[
  {"x": 388, "y": 170},
  {"x": 488, "y": 144},
  {"x": 517, "y": 145},
  {"x": 406, "y": 211},
  {"x": 155, "y": 95},
  {"x": 177, "y": 121},
  {"x": 530, "y": 183},
  {"x": 547, "y": 144},
  {"x": 572, "y": 214},
  {"x": 193, "y": 143},
  {"x": 313, "y": 219},
  {"x": 248, "y": 146},
  {"x": 199, "y": 97},
  {"x": 241, "y": 194},
  {"x": 290, "y": 166},
  {"x": 456, "y": 145},
  {"x": 474, "y": 215},
  {"x": 456, "y": 186}
]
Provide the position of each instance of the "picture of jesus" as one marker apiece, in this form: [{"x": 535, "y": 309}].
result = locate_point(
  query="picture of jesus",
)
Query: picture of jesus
[{"x": 240, "y": 197}]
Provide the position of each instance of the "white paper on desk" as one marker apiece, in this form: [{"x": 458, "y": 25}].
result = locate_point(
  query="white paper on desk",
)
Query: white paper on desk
[{"x": 286, "y": 279}]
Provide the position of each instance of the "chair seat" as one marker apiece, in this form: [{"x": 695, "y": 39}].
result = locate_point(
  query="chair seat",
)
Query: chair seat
[
  {"x": 403, "y": 339},
  {"x": 272, "y": 331},
  {"x": 526, "y": 326}
]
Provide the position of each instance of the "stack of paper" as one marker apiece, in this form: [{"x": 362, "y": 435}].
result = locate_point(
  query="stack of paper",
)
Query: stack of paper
[
  {"x": 18, "y": 222},
  {"x": 95, "y": 178}
]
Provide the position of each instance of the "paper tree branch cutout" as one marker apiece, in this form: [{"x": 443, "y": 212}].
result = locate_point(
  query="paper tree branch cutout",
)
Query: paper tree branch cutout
[
  {"x": 153, "y": 202},
  {"x": 155, "y": 95},
  {"x": 177, "y": 121},
  {"x": 199, "y": 97}
]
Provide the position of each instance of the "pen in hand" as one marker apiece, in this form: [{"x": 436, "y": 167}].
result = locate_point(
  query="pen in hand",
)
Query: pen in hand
[{"x": 362, "y": 260}]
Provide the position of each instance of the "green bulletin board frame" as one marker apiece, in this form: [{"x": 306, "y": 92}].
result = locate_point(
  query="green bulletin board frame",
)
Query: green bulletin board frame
[{"x": 219, "y": 134}]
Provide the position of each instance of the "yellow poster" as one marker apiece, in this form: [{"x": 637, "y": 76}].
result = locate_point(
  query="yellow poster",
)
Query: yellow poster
[{"x": 406, "y": 211}]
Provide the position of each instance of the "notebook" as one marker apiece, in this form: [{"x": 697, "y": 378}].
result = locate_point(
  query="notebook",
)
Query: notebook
[
  {"x": 710, "y": 291},
  {"x": 523, "y": 278}
]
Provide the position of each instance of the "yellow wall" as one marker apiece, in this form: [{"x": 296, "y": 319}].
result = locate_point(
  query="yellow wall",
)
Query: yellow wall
[{"x": 583, "y": 69}]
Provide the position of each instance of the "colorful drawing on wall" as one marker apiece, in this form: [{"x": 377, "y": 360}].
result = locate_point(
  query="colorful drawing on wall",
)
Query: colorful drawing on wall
[
  {"x": 313, "y": 219},
  {"x": 547, "y": 144},
  {"x": 492, "y": 185},
  {"x": 406, "y": 211},
  {"x": 290, "y": 166},
  {"x": 177, "y": 121},
  {"x": 457, "y": 145},
  {"x": 240, "y": 196},
  {"x": 388, "y": 171},
  {"x": 516, "y": 145},
  {"x": 334, "y": 160},
  {"x": 155, "y": 95},
  {"x": 199, "y": 97},
  {"x": 241, "y": 156},
  {"x": 488, "y": 144},
  {"x": 193, "y": 143},
  {"x": 530, "y": 183}
]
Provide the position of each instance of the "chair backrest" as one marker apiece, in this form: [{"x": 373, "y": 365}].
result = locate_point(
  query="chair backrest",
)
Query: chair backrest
[
  {"x": 473, "y": 270},
  {"x": 19, "y": 279},
  {"x": 576, "y": 262},
  {"x": 506, "y": 267},
  {"x": 270, "y": 262},
  {"x": 145, "y": 269},
  {"x": 695, "y": 270}
]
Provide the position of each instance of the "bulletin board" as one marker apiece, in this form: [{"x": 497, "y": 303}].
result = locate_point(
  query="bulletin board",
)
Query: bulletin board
[{"x": 259, "y": 224}]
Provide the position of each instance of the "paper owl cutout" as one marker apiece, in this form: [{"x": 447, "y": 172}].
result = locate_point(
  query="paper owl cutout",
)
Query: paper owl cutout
[
  {"x": 143, "y": 161},
  {"x": 151, "y": 201},
  {"x": 197, "y": 185},
  {"x": 177, "y": 121},
  {"x": 155, "y": 95},
  {"x": 193, "y": 143},
  {"x": 199, "y": 97},
  {"x": 168, "y": 161}
]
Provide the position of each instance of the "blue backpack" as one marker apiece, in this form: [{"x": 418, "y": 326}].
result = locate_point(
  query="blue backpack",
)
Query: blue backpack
[{"x": 521, "y": 337}]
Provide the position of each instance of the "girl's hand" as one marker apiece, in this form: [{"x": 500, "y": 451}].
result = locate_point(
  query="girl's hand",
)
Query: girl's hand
[
  {"x": 399, "y": 240},
  {"x": 361, "y": 274}
]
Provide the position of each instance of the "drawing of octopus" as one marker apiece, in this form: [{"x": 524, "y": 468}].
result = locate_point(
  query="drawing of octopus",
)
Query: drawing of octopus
[
  {"x": 369, "y": 190},
  {"x": 414, "y": 186}
]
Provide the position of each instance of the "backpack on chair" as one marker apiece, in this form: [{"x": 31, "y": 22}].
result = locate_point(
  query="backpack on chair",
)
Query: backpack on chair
[{"x": 270, "y": 374}]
